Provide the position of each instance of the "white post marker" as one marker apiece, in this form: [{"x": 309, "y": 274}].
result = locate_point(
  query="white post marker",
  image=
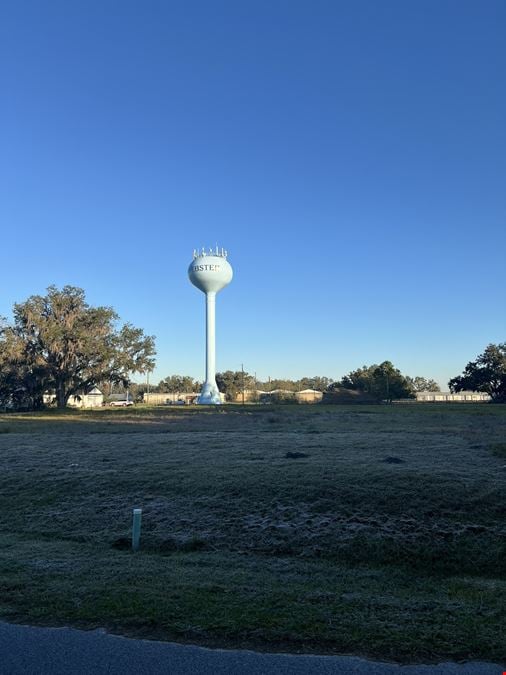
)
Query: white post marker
[{"x": 136, "y": 529}]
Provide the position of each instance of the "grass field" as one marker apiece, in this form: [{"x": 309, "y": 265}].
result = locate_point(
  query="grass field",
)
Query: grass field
[{"x": 369, "y": 530}]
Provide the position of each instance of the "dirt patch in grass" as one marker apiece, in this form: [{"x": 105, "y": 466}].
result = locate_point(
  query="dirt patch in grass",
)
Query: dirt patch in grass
[
  {"x": 499, "y": 450},
  {"x": 380, "y": 531}
]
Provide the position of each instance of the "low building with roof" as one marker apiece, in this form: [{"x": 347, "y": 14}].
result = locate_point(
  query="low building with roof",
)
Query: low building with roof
[
  {"x": 173, "y": 398},
  {"x": 448, "y": 396},
  {"x": 309, "y": 396}
]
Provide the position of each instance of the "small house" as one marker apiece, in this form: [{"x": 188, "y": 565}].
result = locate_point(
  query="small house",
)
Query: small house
[{"x": 93, "y": 398}]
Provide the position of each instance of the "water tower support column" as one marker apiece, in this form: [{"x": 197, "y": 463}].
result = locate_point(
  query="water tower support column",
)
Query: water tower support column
[
  {"x": 210, "y": 394},
  {"x": 211, "y": 338}
]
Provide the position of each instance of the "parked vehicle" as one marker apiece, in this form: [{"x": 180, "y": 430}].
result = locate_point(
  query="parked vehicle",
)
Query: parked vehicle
[{"x": 121, "y": 404}]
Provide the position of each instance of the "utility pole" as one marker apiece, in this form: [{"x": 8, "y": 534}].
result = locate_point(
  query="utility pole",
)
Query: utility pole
[{"x": 242, "y": 381}]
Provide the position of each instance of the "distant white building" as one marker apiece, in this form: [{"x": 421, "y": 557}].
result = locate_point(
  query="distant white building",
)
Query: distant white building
[
  {"x": 309, "y": 396},
  {"x": 459, "y": 397},
  {"x": 156, "y": 398},
  {"x": 92, "y": 399}
]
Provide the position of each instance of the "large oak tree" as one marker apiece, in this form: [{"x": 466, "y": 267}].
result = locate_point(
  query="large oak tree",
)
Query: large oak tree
[
  {"x": 72, "y": 345},
  {"x": 486, "y": 374},
  {"x": 22, "y": 379}
]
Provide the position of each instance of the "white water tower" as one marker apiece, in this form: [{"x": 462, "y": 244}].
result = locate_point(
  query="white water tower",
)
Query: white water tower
[{"x": 210, "y": 272}]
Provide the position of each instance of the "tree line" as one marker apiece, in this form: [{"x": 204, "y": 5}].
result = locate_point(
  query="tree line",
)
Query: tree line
[
  {"x": 59, "y": 343},
  {"x": 381, "y": 382},
  {"x": 384, "y": 382},
  {"x": 232, "y": 383}
]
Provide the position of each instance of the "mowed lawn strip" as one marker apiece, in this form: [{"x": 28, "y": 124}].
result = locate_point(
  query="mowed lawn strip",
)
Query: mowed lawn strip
[{"x": 372, "y": 530}]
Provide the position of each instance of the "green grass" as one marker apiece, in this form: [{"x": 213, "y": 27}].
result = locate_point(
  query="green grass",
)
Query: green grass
[{"x": 375, "y": 530}]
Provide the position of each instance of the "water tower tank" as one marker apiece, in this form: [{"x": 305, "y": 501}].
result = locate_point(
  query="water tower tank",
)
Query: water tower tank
[{"x": 210, "y": 272}]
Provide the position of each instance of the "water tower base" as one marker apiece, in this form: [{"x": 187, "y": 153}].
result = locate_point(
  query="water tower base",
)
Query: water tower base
[{"x": 209, "y": 395}]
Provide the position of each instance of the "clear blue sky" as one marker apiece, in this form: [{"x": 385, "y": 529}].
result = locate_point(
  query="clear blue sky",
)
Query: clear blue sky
[{"x": 351, "y": 157}]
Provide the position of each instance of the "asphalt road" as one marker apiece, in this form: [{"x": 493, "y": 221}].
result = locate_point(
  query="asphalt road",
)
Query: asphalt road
[{"x": 27, "y": 650}]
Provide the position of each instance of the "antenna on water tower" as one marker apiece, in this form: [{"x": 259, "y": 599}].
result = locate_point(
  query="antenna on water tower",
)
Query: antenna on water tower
[{"x": 210, "y": 272}]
